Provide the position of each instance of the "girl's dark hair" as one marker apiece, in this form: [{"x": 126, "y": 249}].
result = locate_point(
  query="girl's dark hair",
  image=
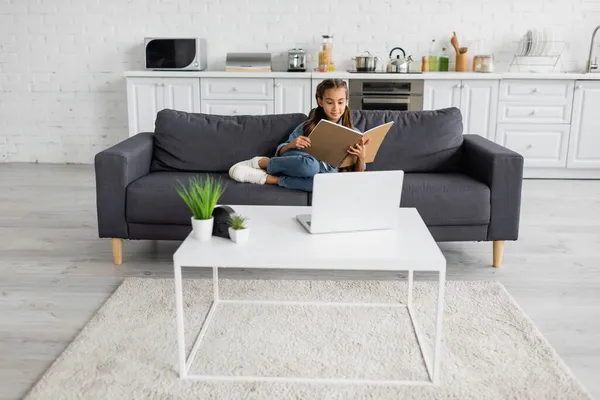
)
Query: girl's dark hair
[{"x": 317, "y": 114}]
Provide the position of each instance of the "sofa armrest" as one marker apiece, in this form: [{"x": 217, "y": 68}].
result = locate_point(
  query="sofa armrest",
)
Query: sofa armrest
[
  {"x": 116, "y": 167},
  {"x": 501, "y": 169}
]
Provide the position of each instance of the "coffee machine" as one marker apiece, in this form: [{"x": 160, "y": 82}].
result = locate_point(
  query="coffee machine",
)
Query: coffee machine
[{"x": 296, "y": 60}]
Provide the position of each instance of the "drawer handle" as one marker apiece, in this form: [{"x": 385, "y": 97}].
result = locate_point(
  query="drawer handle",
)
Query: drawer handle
[
  {"x": 532, "y": 113},
  {"x": 529, "y": 146},
  {"x": 534, "y": 90},
  {"x": 235, "y": 111},
  {"x": 234, "y": 89}
]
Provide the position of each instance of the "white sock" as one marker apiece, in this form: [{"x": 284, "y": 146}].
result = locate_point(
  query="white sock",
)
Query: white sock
[
  {"x": 254, "y": 162},
  {"x": 243, "y": 173}
]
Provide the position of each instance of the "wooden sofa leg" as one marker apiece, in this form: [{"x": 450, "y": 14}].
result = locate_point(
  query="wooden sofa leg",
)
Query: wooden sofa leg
[
  {"x": 498, "y": 251},
  {"x": 117, "y": 248}
]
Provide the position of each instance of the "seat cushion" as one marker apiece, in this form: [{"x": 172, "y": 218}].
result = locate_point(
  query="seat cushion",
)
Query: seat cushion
[
  {"x": 419, "y": 141},
  {"x": 447, "y": 199},
  {"x": 196, "y": 142},
  {"x": 152, "y": 199}
]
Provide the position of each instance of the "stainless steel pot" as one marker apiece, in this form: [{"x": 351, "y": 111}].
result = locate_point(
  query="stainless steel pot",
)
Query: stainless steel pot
[{"x": 366, "y": 63}]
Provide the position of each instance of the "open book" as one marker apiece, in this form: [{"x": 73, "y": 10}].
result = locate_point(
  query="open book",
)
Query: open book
[{"x": 329, "y": 142}]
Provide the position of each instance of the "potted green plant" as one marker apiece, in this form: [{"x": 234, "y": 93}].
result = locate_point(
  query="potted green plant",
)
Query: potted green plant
[
  {"x": 201, "y": 196},
  {"x": 238, "y": 229}
]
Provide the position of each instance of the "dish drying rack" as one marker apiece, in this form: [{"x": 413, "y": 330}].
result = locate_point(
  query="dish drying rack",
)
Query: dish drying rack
[{"x": 540, "y": 56}]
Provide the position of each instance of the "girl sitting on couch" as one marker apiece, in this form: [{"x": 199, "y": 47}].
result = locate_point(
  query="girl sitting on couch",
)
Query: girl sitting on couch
[{"x": 293, "y": 168}]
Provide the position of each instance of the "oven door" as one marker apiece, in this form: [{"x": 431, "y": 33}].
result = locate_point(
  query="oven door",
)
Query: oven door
[{"x": 393, "y": 103}]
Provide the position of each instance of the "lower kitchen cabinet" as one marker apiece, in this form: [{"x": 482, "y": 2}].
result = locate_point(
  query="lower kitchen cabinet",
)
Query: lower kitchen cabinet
[
  {"x": 237, "y": 107},
  {"x": 476, "y": 99},
  {"x": 541, "y": 145},
  {"x": 584, "y": 142},
  {"x": 292, "y": 96}
]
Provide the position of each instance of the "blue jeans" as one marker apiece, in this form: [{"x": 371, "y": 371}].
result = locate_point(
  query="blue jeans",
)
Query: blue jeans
[{"x": 296, "y": 170}]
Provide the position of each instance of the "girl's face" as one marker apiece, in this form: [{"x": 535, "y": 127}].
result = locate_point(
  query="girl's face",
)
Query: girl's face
[{"x": 334, "y": 103}]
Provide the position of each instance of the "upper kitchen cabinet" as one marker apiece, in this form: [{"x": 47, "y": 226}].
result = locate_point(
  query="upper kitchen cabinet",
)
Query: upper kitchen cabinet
[
  {"x": 584, "y": 140},
  {"x": 315, "y": 83},
  {"x": 147, "y": 96},
  {"x": 292, "y": 96},
  {"x": 476, "y": 99}
]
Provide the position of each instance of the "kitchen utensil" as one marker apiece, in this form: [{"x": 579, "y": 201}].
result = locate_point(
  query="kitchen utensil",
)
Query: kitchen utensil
[
  {"x": 398, "y": 64},
  {"x": 454, "y": 41},
  {"x": 366, "y": 63},
  {"x": 461, "y": 62}
]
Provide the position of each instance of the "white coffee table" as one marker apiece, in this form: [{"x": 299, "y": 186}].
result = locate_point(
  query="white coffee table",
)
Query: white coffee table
[{"x": 273, "y": 230}]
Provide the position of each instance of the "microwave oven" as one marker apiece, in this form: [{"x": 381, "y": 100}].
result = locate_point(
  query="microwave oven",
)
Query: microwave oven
[{"x": 175, "y": 53}]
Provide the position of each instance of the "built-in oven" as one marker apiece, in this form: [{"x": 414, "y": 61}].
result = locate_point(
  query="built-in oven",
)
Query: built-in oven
[{"x": 382, "y": 94}]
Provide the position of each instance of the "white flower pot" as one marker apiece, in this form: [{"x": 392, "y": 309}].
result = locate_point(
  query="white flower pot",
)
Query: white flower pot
[
  {"x": 239, "y": 235},
  {"x": 202, "y": 228}
]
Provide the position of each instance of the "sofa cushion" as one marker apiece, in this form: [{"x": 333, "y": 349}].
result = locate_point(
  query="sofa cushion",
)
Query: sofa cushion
[
  {"x": 447, "y": 199},
  {"x": 152, "y": 199},
  {"x": 419, "y": 141},
  {"x": 213, "y": 143}
]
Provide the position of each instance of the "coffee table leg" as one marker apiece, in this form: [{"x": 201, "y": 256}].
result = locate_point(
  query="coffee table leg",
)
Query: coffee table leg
[
  {"x": 215, "y": 284},
  {"x": 437, "y": 349},
  {"x": 410, "y": 287},
  {"x": 180, "y": 327}
]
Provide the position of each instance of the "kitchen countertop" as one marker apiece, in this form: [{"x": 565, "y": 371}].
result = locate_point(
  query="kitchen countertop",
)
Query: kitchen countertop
[{"x": 348, "y": 75}]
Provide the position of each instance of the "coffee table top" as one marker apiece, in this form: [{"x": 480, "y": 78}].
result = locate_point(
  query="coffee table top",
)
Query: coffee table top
[{"x": 277, "y": 240}]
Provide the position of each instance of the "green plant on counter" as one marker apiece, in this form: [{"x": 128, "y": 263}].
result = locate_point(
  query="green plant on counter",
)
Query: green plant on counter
[
  {"x": 201, "y": 195},
  {"x": 237, "y": 222}
]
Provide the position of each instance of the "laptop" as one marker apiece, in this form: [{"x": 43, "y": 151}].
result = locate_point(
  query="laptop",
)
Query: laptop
[{"x": 354, "y": 201}]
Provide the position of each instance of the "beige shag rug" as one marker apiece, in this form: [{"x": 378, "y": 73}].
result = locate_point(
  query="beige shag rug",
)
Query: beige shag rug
[{"x": 491, "y": 350}]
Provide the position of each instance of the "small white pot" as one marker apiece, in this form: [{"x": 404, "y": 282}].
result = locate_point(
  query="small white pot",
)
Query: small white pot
[
  {"x": 239, "y": 235},
  {"x": 202, "y": 228}
]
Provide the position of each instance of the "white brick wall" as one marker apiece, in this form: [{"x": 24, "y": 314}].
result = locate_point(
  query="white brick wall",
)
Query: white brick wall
[{"x": 62, "y": 91}]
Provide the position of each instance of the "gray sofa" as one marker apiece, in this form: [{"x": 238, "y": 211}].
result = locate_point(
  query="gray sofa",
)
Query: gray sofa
[{"x": 465, "y": 187}]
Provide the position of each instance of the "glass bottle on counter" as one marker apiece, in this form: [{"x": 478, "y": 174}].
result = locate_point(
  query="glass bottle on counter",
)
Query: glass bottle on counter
[
  {"x": 444, "y": 60},
  {"x": 433, "y": 59},
  {"x": 325, "y": 53}
]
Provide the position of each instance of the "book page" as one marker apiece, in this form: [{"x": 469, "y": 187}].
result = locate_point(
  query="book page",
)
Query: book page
[
  {"x": 377, "y": 136},
  {"x": 330, "y": 142}
]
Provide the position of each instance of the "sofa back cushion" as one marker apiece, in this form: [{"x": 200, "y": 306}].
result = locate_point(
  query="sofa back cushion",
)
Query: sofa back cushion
[
  {"x": 213, "y": 143},
  {"x": 419, "y": 141}
]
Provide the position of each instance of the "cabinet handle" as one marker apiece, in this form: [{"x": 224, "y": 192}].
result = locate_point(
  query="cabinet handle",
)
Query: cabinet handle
[
  {"x": 277, "y": 84},
  {"x": 235, "y": 111},
  {"x": 457, "y": 86},
  {"x": 529, "y": 146},
  {"x": 534, "y": 90},
  {"x": 578, "y": 87},
  {"x": 234, "y": 89},
  {"x": 532, "y": 113}
]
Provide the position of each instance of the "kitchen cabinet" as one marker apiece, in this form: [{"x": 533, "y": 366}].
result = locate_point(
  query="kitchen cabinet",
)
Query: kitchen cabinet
[
  {"x": 584, "y": 140},
  {"x": 147, "y": 96},
  {"x": 315, "y": 83},
  {"x": 476, "y": 99},
  {"x": 541, "y": 145},
  {"x": 237, "y": 89},
  {"x": 292, "y": 96},
  {"x": 237, "y": 107}
]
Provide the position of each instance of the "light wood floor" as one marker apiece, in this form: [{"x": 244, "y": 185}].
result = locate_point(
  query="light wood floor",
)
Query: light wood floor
[{"x": 55, "y": 272}]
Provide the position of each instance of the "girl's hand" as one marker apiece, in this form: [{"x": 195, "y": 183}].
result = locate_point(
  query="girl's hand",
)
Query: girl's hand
[
  {"x": 360, "y": 149},
  {"x": 301, "y": 142}
]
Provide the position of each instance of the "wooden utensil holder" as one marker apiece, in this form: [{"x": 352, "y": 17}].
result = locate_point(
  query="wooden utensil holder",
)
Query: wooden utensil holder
[{"x": 462, "y": 62}]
